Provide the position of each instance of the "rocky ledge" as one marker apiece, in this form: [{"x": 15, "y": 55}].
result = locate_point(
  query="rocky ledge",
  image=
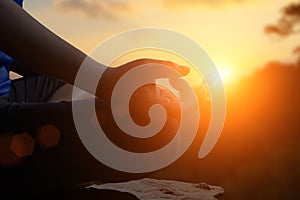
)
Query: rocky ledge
[{"x": 152, "y": 189}]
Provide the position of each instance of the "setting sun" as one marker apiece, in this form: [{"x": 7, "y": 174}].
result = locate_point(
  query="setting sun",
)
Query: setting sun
[{"x": 226, "y": 74}]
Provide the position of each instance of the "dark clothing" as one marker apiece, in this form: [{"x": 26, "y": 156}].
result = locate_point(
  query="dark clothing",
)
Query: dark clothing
[
  {"x": 26, "y": 105},
  {"x": 55, "y": 170}
]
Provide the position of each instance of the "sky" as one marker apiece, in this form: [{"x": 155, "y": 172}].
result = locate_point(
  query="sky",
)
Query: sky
[{"x": 231, "y": 31}]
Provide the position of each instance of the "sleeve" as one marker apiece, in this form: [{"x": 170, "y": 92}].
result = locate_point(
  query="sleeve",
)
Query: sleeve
[{"x": 19, "y": 2}]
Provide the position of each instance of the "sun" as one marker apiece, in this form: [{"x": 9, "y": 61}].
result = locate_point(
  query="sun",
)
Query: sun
[{"x": 225, "y": 74}]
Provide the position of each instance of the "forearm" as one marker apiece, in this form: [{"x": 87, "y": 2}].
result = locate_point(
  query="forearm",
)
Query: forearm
[{"x": 29, "y": 42}]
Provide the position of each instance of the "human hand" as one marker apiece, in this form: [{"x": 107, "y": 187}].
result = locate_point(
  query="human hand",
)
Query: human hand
[
  {"x": 140, "y": 102},
  {"x": 111, "y": 75}
]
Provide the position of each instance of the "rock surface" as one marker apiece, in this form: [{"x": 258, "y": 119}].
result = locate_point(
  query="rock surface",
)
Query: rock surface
[{"x": 152, "y": 189}]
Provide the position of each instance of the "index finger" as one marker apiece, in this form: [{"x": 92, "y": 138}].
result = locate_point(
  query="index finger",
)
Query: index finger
[{"x": 183, "y": 70}]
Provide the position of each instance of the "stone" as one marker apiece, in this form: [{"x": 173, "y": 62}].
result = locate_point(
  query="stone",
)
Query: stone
[{"x": 152, "y": 189}]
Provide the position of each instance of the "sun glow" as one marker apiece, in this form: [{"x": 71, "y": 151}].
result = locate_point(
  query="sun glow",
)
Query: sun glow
[{"x": 226, "y": 74}]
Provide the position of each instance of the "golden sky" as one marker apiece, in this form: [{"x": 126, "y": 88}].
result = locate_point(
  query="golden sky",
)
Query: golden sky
[{"x": 231, "y": 31}]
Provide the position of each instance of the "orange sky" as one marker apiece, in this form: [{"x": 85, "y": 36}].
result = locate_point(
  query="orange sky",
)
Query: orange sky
[{"x": 231, "y": 31}]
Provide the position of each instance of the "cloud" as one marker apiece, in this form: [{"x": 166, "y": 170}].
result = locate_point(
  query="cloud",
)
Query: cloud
[
  {"x": 108, "y": 9},
  {"x": 184, "y": 4}
]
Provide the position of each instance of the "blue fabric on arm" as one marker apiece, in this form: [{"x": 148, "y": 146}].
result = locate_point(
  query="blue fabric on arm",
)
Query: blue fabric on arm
[
  {"x": 5, "y": 82},
  {"x": 20, "y": 2},
  {"x": 5, "y": 61}
]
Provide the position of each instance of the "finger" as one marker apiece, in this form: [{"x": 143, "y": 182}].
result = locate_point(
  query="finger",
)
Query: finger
[
  {"x": 183, "y": 70},
  {"x": 168, "y": 99},
  {"x": 149, "y": 91},
  {"x": 178, "y": 84},
  {"x": 166, "y": 93},
  {"x": 164, "y": 100}
]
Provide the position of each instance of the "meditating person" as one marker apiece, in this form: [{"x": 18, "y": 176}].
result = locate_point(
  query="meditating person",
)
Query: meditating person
[{"x": 46, "y": 62}]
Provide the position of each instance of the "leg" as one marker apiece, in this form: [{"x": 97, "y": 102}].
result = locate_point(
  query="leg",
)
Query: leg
[
  {"x": 63, "y": 167},
  {"x": 24, "y": 108},
  {"x": 33, "y": 89}
]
